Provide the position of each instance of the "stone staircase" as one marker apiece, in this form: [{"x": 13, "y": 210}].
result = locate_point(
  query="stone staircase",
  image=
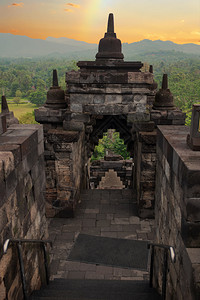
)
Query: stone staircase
[
  {"x": 103, "y": 213},
  {"x": 75, "y": 289}
]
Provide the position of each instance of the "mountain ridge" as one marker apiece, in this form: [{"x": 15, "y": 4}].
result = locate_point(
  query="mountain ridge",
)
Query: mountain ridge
[{"x": 14, "y": 46}]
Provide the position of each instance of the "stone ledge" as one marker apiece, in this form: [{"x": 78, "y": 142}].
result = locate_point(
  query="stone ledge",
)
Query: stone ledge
[
  {"x": 47, "y": 115},
  {"x": 109, "y": 109},
  {"x": 21, "y": 140},
  {"x": 184, "y": 162},
  {"x": 105, "y": 76},
  {"x": 56, "y": 135}
]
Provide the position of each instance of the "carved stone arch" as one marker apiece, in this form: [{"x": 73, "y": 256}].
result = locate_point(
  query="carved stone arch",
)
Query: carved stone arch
[{"x": 103, "y": 123}]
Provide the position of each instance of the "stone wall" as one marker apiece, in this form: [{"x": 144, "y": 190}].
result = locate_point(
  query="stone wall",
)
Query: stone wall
[
  {"x": 178, "y": 211},
  {"x": 108, "y": 92},
  {"x": 144, "y": 172},
  {"x": 22, "y": 211},
  {"x": 64, "y": 152}
]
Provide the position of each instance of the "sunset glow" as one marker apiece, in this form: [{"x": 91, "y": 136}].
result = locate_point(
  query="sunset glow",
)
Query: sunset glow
[{"x": 178, "y": 21}]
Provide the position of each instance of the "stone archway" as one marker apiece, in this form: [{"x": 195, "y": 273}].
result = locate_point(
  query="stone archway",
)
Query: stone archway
[{"x": 107, "y": 92}]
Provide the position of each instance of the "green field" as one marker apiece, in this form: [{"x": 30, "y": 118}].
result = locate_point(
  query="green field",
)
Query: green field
[{"x": 21, "y": 108}]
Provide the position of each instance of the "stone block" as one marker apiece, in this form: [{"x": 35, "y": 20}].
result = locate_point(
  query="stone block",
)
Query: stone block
[
  {"x": 140, "y": 90},
  {"x": 41, "y": 112},
  {"x": 109, "y": 109},
  {"x": 11, "y": 183},
  {"x": 138, "y": 117},
  {"x": 85, "y": 118},
  {"x": 57, "y": 136},
  {"x": 73, "y": 125},
  {"x": 8, "y": 164},
  {"x": 176, "y": 115},
  {"x": 15, "y": 149},
  {"x": 148, "y": 137},
  {"x": 143, "y": 126},
  {"x": 81, "y": 99},
  {"x": 32, "y": 127},
  {"x": 99, "y": 99},
  {"x": 139, "y": 98},
  {"x": 140, "y": 77},
  {"x": 178, "y": 122},
  {"x": 26, "y": 139},
  {"x": 140, "y": 108},
  {"x": 72, "y": 77},
  {"x": 31, "y": 158},
  {"x": 75, "y": 107},
  {"x": 127, "y": 99},
  {"x": 113, "y": 89},
  {"x": 112, "y": 99}
]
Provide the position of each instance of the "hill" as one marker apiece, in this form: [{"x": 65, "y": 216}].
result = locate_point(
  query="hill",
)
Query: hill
[{"x": 23, "y": 46}]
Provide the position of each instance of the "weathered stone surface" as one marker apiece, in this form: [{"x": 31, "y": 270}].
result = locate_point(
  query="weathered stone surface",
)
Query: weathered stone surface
[
  {"x": 112, "y": 99},
  {"x": 136, "y": 77},
  {"x": 176, "y": 215},
  {"x": 22, "y": 212}
]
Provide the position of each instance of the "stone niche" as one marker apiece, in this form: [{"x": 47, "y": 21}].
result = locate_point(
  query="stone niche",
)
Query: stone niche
[{"x": 22, "y": 207}]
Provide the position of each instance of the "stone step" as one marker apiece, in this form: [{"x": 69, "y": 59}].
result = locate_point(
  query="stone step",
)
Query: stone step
[{"x": 70, "y": 289}]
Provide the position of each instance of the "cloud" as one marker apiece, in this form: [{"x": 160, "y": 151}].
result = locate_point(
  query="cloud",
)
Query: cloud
[
  {"x": 21, "y": 4},
  {"x": 73, "y": 5},
  {"x": 68, "y": 10}
]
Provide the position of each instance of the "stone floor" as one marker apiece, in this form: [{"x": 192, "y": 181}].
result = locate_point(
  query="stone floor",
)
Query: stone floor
[{"x": 108, "y": 213}]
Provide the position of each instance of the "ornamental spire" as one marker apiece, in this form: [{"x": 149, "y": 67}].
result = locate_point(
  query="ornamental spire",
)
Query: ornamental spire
[
  {"x": 110, "y": 28},
  {"x": 4, "y": 104},
  {"x": 55, "y": 78},
  {"x": 110, "y": 47}
]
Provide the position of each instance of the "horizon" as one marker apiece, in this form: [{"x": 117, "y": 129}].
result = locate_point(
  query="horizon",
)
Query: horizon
[
  {"x": 98, "y": 42},
  {"x": 86, "y": 20}
]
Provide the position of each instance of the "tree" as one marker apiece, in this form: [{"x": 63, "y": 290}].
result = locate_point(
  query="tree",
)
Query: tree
[
  {"x": 18, "y": 96},
  {"x": 37, "y": 97},
  {"x": 111, "y": 141}
]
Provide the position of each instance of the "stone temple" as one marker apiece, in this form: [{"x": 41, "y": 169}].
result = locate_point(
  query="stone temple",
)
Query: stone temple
[{"x": 45, "y": 175}]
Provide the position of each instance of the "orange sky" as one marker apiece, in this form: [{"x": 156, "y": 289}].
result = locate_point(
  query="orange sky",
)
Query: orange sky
[{"x": 175, "y": 20}]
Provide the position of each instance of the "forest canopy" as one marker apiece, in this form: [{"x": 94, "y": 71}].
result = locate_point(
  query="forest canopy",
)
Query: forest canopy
[{"x": 31, "y": 78}]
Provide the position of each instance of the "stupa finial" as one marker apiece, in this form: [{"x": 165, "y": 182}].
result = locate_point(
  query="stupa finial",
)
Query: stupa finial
[
  {"x": 110, "y": 23},
  {"x": 110, "y": 47},
  {"x": 55, "y": 78},
  {"x": 165, "y": 82},
  {"x": 4, "y": 104}
]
